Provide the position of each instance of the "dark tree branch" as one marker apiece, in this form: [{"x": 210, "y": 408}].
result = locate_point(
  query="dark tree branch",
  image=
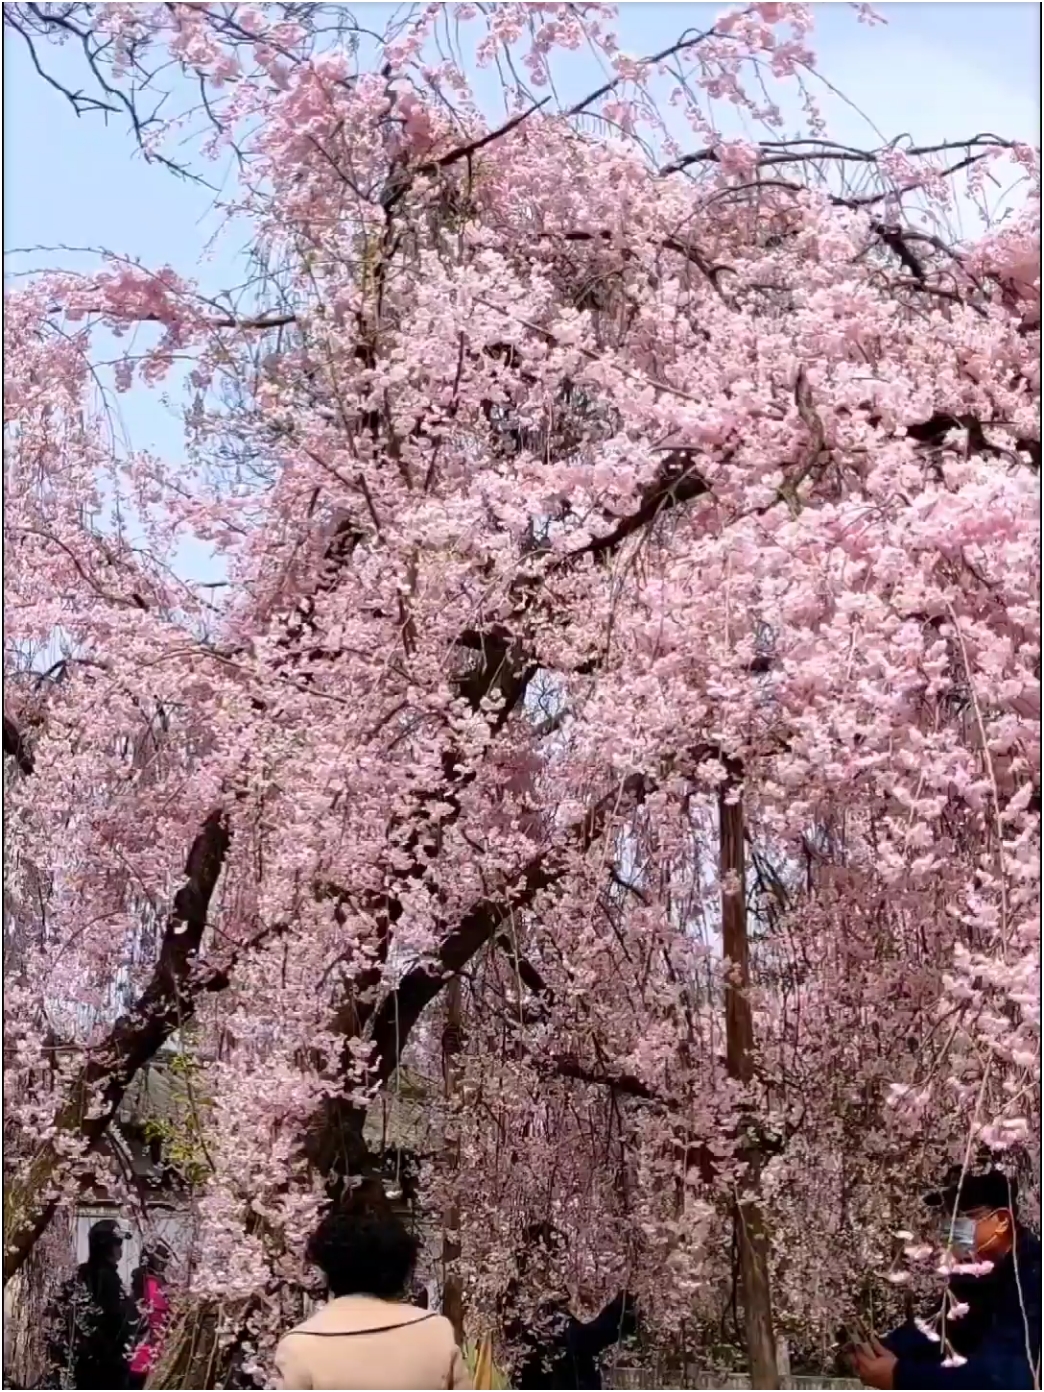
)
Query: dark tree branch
[
  {"x": 677, "y": 483},
  {"x": 566, "y": 1066},
  {"x": 168, "y": 1000},
  {"x": 473, "y": 147},
  {"x": 776, "y": 152},
  {"x": 530, "y": 978},
  {"x": 400, "y": 1011},
  {"x": 334, "y": 1142},
  {"x": 687, "y": 41},
  {"x": 17, "y": 747}
]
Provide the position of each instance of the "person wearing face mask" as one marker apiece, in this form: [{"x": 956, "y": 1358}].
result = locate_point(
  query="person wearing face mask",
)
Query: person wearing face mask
[
  {"x": 987, "y": 1334},
  {"x": 91, "y": 1324}
]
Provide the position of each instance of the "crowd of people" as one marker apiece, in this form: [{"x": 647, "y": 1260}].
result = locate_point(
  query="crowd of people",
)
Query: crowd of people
[{"x": 986, "y": 1334}]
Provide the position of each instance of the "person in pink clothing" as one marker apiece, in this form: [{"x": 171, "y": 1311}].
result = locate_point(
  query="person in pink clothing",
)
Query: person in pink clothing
[{"x": 148, "y": 1290}]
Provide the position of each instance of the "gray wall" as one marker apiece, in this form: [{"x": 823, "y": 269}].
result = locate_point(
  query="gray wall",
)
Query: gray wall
[{"x": 172, "y": 1226}]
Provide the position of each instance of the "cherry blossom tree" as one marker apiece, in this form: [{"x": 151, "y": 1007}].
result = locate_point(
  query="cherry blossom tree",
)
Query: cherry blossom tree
[{"x": 632, "y": 617}]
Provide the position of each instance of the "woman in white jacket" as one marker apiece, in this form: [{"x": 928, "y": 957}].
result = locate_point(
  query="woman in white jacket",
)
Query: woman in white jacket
[{"x": 366, "y": 1336}]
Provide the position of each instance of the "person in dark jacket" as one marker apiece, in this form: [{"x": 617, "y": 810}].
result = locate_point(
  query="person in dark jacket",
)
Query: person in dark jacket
[
  {"x": 553, "y": 1348},
  {"x": 95, "y": 1321},
  {"x": 987, "y": 1334}
]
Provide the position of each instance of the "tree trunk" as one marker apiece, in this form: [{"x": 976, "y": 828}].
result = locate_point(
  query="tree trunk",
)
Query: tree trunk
[
  {"x": 452, "y": 1292},
  {"x": 751, "y": 1233}
]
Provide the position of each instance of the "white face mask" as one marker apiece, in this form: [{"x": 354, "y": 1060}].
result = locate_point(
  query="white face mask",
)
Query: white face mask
[{"x": 961, "y": 1236}]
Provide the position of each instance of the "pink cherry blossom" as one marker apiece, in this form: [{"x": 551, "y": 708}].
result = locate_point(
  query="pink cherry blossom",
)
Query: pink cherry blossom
[{"x": 553, "y": 471}]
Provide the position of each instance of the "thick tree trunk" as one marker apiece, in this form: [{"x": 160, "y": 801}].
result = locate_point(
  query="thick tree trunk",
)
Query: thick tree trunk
[
  {"x": 751, "y": 1233},
  {"x": 452, "y": 1291}
]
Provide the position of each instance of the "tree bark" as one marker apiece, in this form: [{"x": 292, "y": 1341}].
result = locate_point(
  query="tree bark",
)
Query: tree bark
[
  {"x": 751, "y": 1231},
  {"x": 452, "y": 1290}
]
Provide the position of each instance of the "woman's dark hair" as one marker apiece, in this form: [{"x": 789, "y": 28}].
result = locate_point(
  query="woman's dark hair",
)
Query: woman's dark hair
[{"x": 364, "y": 1249}]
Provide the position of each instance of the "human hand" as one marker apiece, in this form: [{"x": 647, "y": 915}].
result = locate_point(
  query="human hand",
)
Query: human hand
[{"x": 874, "y": 1365}]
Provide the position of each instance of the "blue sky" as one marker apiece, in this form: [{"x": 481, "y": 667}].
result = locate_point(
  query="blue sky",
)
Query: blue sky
[{"x": 936, "y": 71}]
